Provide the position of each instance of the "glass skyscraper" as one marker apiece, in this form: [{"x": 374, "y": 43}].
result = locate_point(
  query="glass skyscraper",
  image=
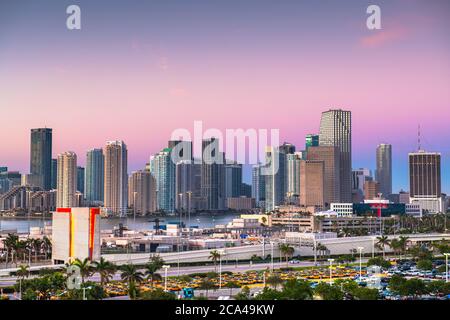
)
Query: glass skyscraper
[
  {"x": 163, "y": 170},
  {"x": 383, "y": 174},
  {"x": 41, "y": 155},
  {"x": 336, "y": 130},
  {"x": 94, "y": 176}
]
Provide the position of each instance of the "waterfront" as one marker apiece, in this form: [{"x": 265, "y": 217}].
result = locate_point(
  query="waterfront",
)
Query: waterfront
[{"x": 23, "y": 224}]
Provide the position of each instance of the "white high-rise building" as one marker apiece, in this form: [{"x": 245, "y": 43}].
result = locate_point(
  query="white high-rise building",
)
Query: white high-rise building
[
  {"x": 66, "y": 180},
  {"x": 116, "y": 178}
]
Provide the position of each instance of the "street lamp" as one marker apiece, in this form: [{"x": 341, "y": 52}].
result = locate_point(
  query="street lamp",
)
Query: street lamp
[
  {"x": 221, "y": 253},
  {"x": 331, "y": 269},
  {"x": 271, "y": 255},
  {"x": 360, "y": 262},
  {"x": 446, "y": 266},
  {"x": 165, "y": 267}
]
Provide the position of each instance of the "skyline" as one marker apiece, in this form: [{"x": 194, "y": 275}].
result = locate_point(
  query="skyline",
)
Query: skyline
[{"x": 138, "y": 73}]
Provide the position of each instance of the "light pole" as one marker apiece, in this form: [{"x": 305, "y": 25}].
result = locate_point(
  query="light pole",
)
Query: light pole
[
  {"x": 360, "y": 262},
  {"x": 331, "y": 269},
  {"x": 446, "y": 266},
  {"x": 134, "y": 210},
  {"x": 189, "y": 193},
  {"x": 165, "y": 267},
  {"x": 271, "y": 255},
  {"x": 221, "y": 253},
  {"x": 373, "y": 247}
]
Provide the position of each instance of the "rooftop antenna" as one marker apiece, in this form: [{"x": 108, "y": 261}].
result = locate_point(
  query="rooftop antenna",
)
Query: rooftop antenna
[{"x": 418, "y": 137}]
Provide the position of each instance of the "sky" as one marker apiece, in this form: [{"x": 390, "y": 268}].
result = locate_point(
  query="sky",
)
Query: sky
[{"x": 137, "y": 70}]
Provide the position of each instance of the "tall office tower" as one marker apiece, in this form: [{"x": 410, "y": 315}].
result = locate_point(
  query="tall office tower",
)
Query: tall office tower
[
  {"x": 258, "y": 185},
  {"x": 162, "y": 169},
  {"x": 187, "y": 185},
  {"x": 116, "y": 178},
  {"x": 233, "y": 180},
  {"x": 54, "y": 173},
  {"x": 80, "y": 179},
  {"x": 66, "y": 180},
  {"x": 94, "y": 177},
  {"x": 246, "y": 190},
  {"x": 425, "y": 180},
  {"x": 275, "y": 179},
  {"x": 312, "y": 175},
  {"x": 331, "y": 158},
  {"x": 371, "y": 189},
  {"x": 384, "y": 169},
  {"x": 141, "y": 192},
  {"x": 359, "y": 177},
  {"x": 311, "y": 140},
  {"x": 185, "y": 148},
  {"x": 293, "y": 175},
  {"x": 336, "y": 130},
  {"x": 41, "y": 155},
  {"x": 213, "y": 175}
]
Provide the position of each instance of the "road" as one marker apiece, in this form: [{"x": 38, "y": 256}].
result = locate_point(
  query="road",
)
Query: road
[{"x": 175, "y": 271}]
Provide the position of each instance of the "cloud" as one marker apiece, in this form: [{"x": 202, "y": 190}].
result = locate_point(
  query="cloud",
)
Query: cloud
[{"x": 383, "y": 37}]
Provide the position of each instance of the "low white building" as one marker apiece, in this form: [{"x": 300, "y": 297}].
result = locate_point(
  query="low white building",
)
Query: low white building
[{"x": 342, "y": 209}]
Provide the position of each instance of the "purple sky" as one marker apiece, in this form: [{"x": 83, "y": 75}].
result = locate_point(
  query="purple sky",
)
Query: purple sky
[{"x": 140, "y": 69}]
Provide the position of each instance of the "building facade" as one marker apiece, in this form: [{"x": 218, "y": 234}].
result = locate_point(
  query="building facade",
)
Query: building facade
[
  {"x": 66, "y": 180},
  {"x": 41, "y": 155},
  {"x": 116, "y": 178},
  {"x": 383, "y": 173},
  {"x": 312, "y": 174},
  {"x": 94, "y": 178},
  {"x": 336, "y": 130}
]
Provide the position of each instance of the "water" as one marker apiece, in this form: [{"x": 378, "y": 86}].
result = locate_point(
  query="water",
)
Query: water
[{"x": 22, "y": 225}]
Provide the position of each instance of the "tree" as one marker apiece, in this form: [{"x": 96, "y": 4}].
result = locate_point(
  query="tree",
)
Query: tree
[
  {"x": 378, "y": 261},
  {"x": 214, "y": 256},
  {"x": 287, "y": 251},
  {"x": 244, "y": 294},
  {"x": 23, "y": 272},
  {"x": 105, "y": 269},
  {"x": 425, "y": 264},
  {"x": 85, "y": 268},
  {"x": 155, "y": 263},
  {"x": 157, "y": 294},
  {"x": 206, "y": 284},
  {"x": 382, "y": 242},
  {"x": 274, "y": 281},
  {"x": 297, "y": 290},
  {"x": 132, "y": 276},
  {"x": 329, "y": 292},
  {"x": 232, "y": 285},
  {"x": 269, "y": 294},
  {"x": 47, "y": 244}
]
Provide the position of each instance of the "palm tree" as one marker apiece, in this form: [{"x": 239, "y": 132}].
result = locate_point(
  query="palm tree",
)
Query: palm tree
[
  {"x": 274, "y": 281},
  {"x": 403, "y": 240},
  {"x": 131, "y": 275},
  {"x": 287, "y": 251},
  {"x": 10, "y": 244},
  {"x": 383, "y": 241},
  {"x": 105, "y": 269},
  {"x": 23, "y": 272},
  {"x": 85, "y": 268},
  {"x": 155, "y": 263},
  {"x": 214, "y": 256},
  {"x": 36, "y": 245},
  {"x": 47, "y": 244},
  {"x": 206, "y": 284}
]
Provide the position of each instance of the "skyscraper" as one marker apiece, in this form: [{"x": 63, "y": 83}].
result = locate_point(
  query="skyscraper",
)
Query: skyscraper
[
  {"x": 116, "y": 178},
  {"x": 41, "y": 155},
  {"x": 80, "y": 179},
  {"x": 312, "y": 183},
  {"x": 275, "y": 179},
  {"x": 425, "y": 180},
  {"x": 94, "y": 178},
  {"x": 336, "y": 130},
  {"x": 142, "y": 192},
  {"x": 258, "y": 185},
  {"x": 371, "y": 189},
  {"x": 293, "y": 174},
  {"x": 331, "y": 158},
  {"x": 383, "y": 174},
  {"x": 213, "y": 175},
  {"x": 162, "y": 169},
  {"x": 233, "y": 180},
  {"x": 66, "y": 180},
  {"x": 54, "y": 173},
  {"x": 188, "y": 185},
  {"x": 311, "y": 140}
]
